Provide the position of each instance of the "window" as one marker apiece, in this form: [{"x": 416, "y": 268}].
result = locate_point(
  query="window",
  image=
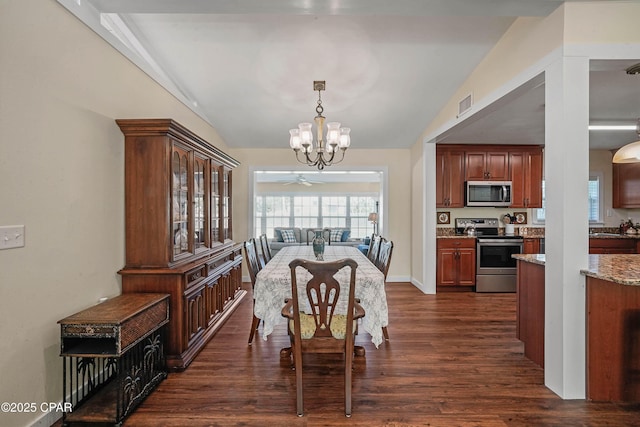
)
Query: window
[
  {"x": 595, "y": 201},
  {"x": 310, "y": 211}
]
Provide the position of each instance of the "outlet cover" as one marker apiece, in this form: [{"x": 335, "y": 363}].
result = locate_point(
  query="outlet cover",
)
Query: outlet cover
[{"x": 11, "y": 236}]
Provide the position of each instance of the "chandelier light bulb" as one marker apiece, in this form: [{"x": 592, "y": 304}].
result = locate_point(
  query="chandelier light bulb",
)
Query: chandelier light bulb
[
  {"x": 294, "y": 140},
  {"x": 345, "y": 139},
  {"x": 306, "y": 136}
]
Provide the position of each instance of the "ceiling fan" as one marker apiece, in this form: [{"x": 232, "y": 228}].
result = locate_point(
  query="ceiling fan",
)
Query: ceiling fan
[{"x": 301, "y": 180}]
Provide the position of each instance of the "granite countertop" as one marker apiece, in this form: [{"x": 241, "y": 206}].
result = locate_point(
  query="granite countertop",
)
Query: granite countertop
[
  {"x": 614, "y": 236},
  {"x": 622, "y": 268},
  {"x": 532, "y": 258},
  {"x": 617, "y": 268}
]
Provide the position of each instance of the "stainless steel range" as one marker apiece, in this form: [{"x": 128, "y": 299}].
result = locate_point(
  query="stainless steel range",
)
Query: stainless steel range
[{"x": 495, "y": 268}]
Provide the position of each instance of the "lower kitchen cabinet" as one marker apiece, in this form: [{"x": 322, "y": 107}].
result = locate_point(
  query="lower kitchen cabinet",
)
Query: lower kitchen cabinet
[
  {"x": 456, "y": 262},
  {"x": 612, "y": 246},
  {"x": 531, "y": 245}
]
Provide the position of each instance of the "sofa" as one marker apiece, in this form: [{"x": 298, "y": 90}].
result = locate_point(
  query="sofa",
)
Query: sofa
[{"x": 295, "y": 236}]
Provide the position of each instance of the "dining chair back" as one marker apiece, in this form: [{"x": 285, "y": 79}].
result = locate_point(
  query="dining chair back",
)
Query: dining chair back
[
  {"x": 323, "y": 330},
  {"x": 266, "y": 250},
  {"x": 254, "y": 266},
  {"x": 384, "y": 256},
  {"x": 374, "y": 248},
  {"x": 382, "y": 263}
]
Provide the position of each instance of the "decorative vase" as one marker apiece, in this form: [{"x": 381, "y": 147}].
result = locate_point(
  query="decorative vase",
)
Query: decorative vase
[{"x": 318, "y": 246}]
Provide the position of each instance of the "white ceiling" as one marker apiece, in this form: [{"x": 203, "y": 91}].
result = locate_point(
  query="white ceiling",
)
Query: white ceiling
[{"x": 247, "y": 66}]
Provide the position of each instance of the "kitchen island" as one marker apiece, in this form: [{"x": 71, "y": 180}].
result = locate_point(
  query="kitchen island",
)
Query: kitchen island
[
  {"x": 530, "y": 305},
  {"x": 612, "y": 322},
  {"x": 613, "y": 327}
]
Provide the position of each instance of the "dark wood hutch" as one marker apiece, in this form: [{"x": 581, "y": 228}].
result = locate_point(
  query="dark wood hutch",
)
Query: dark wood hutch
[{"x": 179, "y": 231}]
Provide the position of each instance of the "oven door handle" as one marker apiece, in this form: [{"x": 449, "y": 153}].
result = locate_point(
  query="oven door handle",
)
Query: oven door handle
[{"x": 498, "y": 242}]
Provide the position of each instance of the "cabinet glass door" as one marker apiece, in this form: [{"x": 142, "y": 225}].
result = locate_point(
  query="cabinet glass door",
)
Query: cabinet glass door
[
  {"x": 180, "y": 201},
  {"x": 199, "y": 203},
  {"x": 215, "y": 204},
  {"x": 226, "y": 202}
]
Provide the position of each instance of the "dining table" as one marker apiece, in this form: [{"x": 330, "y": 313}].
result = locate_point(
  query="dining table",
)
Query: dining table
[{"x": 273, "y": 286}]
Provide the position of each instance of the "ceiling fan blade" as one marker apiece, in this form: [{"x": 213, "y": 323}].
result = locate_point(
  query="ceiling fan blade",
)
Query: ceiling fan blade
[{"x": 307, "y": 183}]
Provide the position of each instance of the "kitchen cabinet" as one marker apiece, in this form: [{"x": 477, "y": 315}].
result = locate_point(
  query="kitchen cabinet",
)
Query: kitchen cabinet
[
  {"x": 612, "y": 246},
  {"x": 449, "y": 177},
  {"x": 613, "y": 341},
  {"x": 626, "y": 185},
  {"x": 525, "y": 165},
  {"x": 179, "y": 231},
  {"x": 531, "y": 245},
  {"x": 530, "y": 304},
  {"x": 487, "y": 165},
  {"x": 456, "y": 262}
]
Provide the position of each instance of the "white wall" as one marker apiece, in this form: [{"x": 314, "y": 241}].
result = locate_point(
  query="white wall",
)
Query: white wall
[{"x": 61, "y": 175}]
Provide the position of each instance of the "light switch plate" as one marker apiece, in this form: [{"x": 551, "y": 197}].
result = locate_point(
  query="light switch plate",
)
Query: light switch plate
[{"x": 11, "y": 236}]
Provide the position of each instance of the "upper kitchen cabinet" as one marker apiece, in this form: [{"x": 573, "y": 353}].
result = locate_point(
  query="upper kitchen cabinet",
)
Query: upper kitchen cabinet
[
  {"x": 487, "y": 165},
  {"x": 525, "y": 164},
  {"x": 449, "y": 177},
  {"x": 626, "y": 185}
]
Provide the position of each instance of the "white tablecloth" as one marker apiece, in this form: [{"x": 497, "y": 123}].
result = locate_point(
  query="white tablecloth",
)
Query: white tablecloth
[{"x": 273, "y": 286}]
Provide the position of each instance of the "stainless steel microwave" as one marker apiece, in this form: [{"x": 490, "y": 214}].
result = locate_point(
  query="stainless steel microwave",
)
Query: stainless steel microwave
[{"x": 488, "y": 193}]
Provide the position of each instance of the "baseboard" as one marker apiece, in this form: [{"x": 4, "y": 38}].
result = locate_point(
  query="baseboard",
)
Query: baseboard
[{"x": 397, "y": 279}]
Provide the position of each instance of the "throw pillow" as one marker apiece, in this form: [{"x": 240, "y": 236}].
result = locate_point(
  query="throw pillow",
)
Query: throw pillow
[
  {"x": 288, "y": 236},
  {"x": 278, "y": 235},
  {"x": 345, "y": 235},
  {"x": 336, "y": 235}
]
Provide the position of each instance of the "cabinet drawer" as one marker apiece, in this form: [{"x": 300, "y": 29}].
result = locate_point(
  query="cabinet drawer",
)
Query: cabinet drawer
[
  {"x": 111, "y": 328},
  {"x": 456, "y": 243},
  {"x": 213, "y": 266},
  {"x": 195, "y": 275}
]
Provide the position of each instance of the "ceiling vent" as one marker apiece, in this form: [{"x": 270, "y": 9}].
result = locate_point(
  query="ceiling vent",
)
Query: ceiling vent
[
  {"x": 634, "y": 69},
  {"x": 465, "y": 105}
]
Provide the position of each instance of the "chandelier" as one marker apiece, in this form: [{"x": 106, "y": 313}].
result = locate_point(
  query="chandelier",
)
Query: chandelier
[{"x": 338, "y": 138}]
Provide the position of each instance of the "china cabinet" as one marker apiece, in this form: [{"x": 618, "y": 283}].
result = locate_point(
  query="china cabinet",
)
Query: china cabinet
[{"x": 179, "y": 231}]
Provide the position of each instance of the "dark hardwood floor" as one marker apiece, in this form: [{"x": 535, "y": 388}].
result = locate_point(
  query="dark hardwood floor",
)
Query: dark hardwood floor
[{"x": 452, "y": 360}]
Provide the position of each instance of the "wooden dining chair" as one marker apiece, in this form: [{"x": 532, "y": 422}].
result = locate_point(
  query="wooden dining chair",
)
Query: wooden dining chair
[
  {"x": 254, "y": 266},
  {"x": 382, "y": 262},
  {"x": 266, "y": 250},
  {"x": 374, "y": 247},
  {"x": 322, "y": 331}
]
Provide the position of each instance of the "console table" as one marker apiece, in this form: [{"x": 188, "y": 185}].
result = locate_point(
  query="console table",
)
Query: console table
[{"x": 113, "y": 357}]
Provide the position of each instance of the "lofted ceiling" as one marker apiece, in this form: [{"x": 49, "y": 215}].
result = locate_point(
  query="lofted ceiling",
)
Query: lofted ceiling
[{"x": 247, "y": 66}]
